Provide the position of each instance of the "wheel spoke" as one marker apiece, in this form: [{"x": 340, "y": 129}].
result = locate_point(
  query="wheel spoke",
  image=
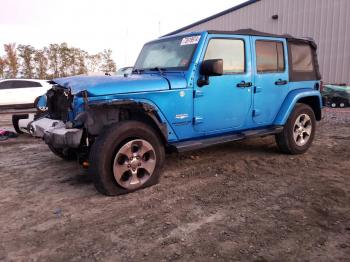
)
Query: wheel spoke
[
  {"x": 305, "y": 120},
  {"x": 126, "y": 150},
  {"x": 149, "y": 165},
  {"x": 144, "y": 148},
  {"x": 308, "y": 129},
  {"x": 133, "y": 180},
  {"x": 295, "y": 136},
  {"x": 119, "y": 170}
]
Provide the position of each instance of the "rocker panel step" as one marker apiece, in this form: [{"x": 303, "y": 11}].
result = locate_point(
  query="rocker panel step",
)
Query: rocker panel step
[{"x": 211, "y": 141}]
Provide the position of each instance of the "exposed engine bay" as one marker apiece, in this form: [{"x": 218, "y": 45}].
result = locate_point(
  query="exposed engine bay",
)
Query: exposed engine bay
[{"x": 61, "y": 129}]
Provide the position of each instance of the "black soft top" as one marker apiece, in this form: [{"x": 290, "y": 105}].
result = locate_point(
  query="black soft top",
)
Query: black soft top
[
  {"x": 291, "y": 40},
  {"x": 249, "y": 31}
]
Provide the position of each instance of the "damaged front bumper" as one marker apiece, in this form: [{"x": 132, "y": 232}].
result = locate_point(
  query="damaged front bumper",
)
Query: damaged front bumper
[{"x": 55, "y": 133}]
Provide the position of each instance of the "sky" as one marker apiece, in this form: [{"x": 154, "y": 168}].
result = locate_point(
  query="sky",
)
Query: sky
[{"x": 94, "y": 25}]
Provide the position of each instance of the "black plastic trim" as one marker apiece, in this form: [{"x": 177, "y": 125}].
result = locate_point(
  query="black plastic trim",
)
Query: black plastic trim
[{"x": 210, "y": 141}]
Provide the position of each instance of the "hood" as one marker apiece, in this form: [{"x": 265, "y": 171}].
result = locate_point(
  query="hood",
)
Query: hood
[{"x": 106, "y": 85}]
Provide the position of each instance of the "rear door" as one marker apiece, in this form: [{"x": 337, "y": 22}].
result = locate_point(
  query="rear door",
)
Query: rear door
[
  {"x": 6, "y": 93},
  {"x": 26, "y": 91},
  {"x": 271, "y": 78}
]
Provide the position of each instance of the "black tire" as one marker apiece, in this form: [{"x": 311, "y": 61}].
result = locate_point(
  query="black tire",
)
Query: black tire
[
  {"x": 285, "y": 140},
  {"x": 36, "y": 101},
  {"x": 334, "y": 102},
  {"x": 333, "y": 105},
  {"x": 39, "y": 110},
  {"x": 106, "y": 147},
  {"x": 15, "y": 119},
  {"x": 343, "y": 103},
  {"x": 67, "y": 154}
]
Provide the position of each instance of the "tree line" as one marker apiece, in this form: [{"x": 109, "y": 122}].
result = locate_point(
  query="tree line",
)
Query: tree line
[{"x": 56, "y": 60}]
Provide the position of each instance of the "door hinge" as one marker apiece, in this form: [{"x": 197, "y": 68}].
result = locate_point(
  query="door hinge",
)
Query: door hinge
[
  {"x": 257, "y": 89},
  {"x": 197, "y": 93},
  {"x": 256, "y": 112},
  {"x": 197, "y": 120}
]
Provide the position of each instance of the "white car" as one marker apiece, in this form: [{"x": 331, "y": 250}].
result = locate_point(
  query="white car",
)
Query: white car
[{"x": 21, "y": 93}]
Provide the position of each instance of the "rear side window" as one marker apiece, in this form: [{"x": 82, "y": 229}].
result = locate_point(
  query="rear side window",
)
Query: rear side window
[
  {"x": 25, "y": 84},
  {"x": 6, "y": 85},
  {"x": 301, "y": 58},
  {"x": 231, "y": 51},
  {"x": 269, "y": 56}
]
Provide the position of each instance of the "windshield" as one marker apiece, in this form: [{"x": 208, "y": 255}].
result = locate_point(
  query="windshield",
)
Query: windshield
[{"x": 175, "y": 53}]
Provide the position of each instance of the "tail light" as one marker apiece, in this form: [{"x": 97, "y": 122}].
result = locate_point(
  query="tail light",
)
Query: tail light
[{"x": 321, "y": 86}]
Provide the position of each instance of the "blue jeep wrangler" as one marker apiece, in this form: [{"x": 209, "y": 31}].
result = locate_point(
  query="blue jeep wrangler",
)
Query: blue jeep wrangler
[{"x": 186, "y": 92}]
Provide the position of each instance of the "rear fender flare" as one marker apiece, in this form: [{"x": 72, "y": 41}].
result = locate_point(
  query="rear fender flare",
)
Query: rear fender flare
[{"x": 295, "y": 96}]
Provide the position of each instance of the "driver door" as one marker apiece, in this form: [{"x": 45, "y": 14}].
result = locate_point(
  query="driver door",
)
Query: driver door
[{"x": 224, "y": 104}]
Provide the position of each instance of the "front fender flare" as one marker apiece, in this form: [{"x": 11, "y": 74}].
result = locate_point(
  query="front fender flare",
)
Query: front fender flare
[{"x": 148, "y": 106}]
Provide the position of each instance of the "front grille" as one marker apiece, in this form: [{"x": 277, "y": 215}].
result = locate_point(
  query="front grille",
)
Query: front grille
[{"x": 59, "y": 103}]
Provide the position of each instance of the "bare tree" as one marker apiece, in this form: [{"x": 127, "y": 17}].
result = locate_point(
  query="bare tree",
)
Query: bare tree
[
  {"x": 26, "y": 53},
  {"x": 53, "y": 56},
  {"x": 2, "y": 67},
  {"x": 82, "y": 56},
  {"x": 108, "y": 65},
  {"x": 57, "y": 60},
  {"x": 64, "y": 58},
  {"x": 11, "y": 60},
  {"x": 41, "y": 63},
  {"x": 94, "y": 62}
]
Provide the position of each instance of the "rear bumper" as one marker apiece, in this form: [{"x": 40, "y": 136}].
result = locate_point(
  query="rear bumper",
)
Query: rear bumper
[
  {"x": 18, "y": 106},
  {"x": 55, "y": 133}
]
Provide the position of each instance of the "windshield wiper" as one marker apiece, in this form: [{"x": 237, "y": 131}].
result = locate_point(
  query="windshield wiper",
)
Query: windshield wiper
[
  {"x": 137, "y": 71},
  {"x": 159, "y": 69}
]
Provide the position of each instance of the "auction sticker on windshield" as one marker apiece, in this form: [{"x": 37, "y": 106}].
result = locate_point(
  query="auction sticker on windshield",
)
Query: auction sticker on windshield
[{"x": 190, "y": 40}]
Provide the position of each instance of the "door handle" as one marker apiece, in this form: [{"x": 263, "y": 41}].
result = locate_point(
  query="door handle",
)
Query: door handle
[
  {"x": 244, "y": 84},
  {"x": 281, "y": 82}
]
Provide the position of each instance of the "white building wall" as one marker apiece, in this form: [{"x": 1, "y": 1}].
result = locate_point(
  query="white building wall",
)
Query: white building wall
[{"x": 327, "y": 21}]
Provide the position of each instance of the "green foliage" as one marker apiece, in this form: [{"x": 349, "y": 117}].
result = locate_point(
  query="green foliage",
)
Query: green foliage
[{"x": 56, "y": 60}]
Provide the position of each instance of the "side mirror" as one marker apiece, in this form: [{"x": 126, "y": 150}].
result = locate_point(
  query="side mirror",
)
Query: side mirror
[{"x": 211, "y": 67}]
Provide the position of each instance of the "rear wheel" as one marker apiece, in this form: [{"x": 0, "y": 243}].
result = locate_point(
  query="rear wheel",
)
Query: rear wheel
[
  {"x": 299, "y": 131},
  {"x": 126, "y": 157},
  {"x": 343, "y": 103}
]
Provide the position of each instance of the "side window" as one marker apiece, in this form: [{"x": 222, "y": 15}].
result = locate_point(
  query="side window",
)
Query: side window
[
  {"x": 25, "y": 84},
  {"x": 231, "y": 51},
  {"x": 269, "y": 56},
  {"x": 301, "y": 58},
  {"x": 33, "y": 84},
  {"x": 18, "y": 84},
  {"x": 6, "y": 85}
]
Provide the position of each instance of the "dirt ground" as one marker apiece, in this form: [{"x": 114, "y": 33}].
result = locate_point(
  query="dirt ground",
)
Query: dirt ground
[{"x": 241, "y": 201}]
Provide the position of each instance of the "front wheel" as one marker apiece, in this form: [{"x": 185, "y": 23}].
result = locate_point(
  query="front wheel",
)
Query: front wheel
[
  {"x": 299, "y": 131},
  {"x": 126, "y": 157}
]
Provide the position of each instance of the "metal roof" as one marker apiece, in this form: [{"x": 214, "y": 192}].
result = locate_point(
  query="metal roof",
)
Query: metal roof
[{"x": 214, "y": 16}]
